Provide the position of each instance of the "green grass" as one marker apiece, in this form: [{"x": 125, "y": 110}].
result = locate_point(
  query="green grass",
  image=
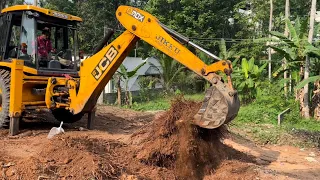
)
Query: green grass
[
  {"x": 258, "y": 120},
  {"x": 156, "y": 104},
  {"x": 163, "y": 103},
  {"x": 194, "y": 97}
]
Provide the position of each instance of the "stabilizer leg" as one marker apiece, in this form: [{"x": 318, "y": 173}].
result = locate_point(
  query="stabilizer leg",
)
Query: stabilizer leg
[
  {"x": 91, "y": 118},
  {"x": 16, "y": 88},
  {"x": 14, "y": 126}
]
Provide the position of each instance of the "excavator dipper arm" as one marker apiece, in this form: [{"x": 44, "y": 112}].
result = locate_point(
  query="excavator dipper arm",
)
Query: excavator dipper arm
[{"x": 221, "y": 103}]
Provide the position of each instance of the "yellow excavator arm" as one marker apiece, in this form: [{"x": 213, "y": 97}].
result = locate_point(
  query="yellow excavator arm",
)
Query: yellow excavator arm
[{"x": 221, "y": 103}]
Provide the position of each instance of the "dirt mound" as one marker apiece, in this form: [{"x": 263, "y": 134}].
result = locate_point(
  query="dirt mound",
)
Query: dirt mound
[
  {"x": 234, "y": 170},
  {"x": 67, "y": 157},
  {"x": 169, "y": 147},
  {"x": 172, "y": 142}
]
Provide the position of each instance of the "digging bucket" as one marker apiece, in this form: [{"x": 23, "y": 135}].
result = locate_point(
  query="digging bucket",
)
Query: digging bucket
[{"x": 220, "y": 106}]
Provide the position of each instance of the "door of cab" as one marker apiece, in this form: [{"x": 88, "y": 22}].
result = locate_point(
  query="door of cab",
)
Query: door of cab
[{"x": 5, "y": 28}]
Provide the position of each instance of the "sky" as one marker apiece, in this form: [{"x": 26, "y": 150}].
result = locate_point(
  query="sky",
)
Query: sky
[{"x": 29, "y": 1}]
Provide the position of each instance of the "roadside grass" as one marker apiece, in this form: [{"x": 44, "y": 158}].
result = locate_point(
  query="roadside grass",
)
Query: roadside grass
[
  {"x": 259, "y": 122},
  {"x": 163, "y": 103}
]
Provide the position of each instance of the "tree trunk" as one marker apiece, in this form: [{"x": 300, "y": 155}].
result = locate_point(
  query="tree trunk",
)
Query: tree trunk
[
  {"x": 315, "y": 106},
  {"x": 127, "y": 92},
  {"x": 270, "y": 28},
  {"x": 306, "y": 108},
  {"x": 286, "y": 33},
  {"x": 119, "y": 90},
  {"x": 130, "y": 99}
]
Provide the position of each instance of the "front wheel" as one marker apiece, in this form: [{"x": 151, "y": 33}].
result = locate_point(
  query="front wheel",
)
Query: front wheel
[
  {"x": 66, "y": 116},
  {"x": 4, "y": 98}
]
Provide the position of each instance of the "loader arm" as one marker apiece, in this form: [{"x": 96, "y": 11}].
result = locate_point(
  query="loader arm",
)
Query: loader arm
[{"x": 221, "y": 102}]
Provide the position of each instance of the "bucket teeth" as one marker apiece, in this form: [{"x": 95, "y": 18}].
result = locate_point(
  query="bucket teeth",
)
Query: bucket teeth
[{"x": 218, "y": 107}]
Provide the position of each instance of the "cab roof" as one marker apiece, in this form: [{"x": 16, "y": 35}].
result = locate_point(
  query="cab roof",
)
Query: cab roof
[{"x": 48, "y": 12}]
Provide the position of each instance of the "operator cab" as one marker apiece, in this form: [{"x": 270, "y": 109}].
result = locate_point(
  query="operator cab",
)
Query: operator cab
[{"x": 45, "y": 39}]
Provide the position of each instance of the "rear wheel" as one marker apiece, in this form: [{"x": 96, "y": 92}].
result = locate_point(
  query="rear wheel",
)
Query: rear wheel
[
  {"x": 66, "y": 116},
  {"x": 4, "y": 98}
]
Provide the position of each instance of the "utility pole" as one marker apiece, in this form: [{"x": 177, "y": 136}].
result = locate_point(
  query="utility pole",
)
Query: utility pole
[
  {"x": 35, "y": 2},
  {"x": 270, "y": 29}
]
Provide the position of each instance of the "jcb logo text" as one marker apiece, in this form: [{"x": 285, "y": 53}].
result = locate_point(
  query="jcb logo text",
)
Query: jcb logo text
[
  {"x": 104, "y": 63},
  {"x": 135, "y": 14}
]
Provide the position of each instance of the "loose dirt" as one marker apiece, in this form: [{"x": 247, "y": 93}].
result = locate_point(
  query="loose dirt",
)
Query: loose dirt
[{"x": 134, "y": 145}]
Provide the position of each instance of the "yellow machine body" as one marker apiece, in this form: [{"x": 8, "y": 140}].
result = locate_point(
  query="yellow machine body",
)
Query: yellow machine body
[{"x": 78, "y": 93}]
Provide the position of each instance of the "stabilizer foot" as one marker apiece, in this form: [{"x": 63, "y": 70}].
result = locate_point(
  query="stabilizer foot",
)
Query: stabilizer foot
[{"x": 14, "y": 126}]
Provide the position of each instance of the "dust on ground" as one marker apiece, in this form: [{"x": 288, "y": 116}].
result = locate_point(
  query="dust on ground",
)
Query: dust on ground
[{"x": 137, "y": 145}]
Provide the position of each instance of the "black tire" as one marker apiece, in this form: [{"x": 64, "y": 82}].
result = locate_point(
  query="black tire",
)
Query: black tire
[
  {"x": 4, "y": 98},
  {"x": 66, "y": 116}
]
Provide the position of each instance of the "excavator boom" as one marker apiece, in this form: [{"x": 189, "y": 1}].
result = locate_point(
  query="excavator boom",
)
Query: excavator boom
[{"x": 221, "y": 103}]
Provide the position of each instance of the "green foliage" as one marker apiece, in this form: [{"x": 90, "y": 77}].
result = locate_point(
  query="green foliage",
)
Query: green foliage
[
  {"x": 267, "y": 106},
  {"x": 294, "y": 48},
  {"x": 247, "y": 79},
  {"x": 61, "y": 5},
  {"x": 163, "y": 103},
  {"x": 248, "y": 49},
  {"x": 306, "y": 81},
  {"x": 227, "y": 53},
  {"x": 259, "y": 118},
  {"x": 157, "y": 104},
  {"x": 147, "y": 84},
  {"x": 199, "y": 19},
  {"x": 189, "y": 82},
  {"x": 170, "y": 69}
]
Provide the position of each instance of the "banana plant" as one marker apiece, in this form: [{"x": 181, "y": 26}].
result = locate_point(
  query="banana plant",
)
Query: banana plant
[
  {"x": 247, "y": 78},
  {"x": 227, "y": 54},
  {"x": 294, "y": 48},
  {"x": 124, "y": 75},
  {"x": 307, "y": 81}
]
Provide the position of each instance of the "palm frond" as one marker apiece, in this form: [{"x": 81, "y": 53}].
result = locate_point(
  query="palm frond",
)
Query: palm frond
[
  {"x": 307, "y": 81},
  {"x": 293, "y": 33}
]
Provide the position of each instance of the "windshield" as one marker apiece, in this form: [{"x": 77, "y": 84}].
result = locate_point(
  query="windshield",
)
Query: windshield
[
  {"x": 44, "y": 45},
  {"x": 27, "y": 40},
  {"x": 57, "y": 44}
]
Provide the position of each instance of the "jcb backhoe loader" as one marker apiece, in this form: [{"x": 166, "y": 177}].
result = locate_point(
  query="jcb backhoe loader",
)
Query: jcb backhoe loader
[{"x": 37, "y": 77}]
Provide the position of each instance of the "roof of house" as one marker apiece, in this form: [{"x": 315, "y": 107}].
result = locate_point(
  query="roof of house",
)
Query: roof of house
[{"x": 152, "y": 67}]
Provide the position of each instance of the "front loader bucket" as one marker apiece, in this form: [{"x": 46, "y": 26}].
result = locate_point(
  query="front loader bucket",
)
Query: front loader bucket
[{"x": 220, "y": 106}]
